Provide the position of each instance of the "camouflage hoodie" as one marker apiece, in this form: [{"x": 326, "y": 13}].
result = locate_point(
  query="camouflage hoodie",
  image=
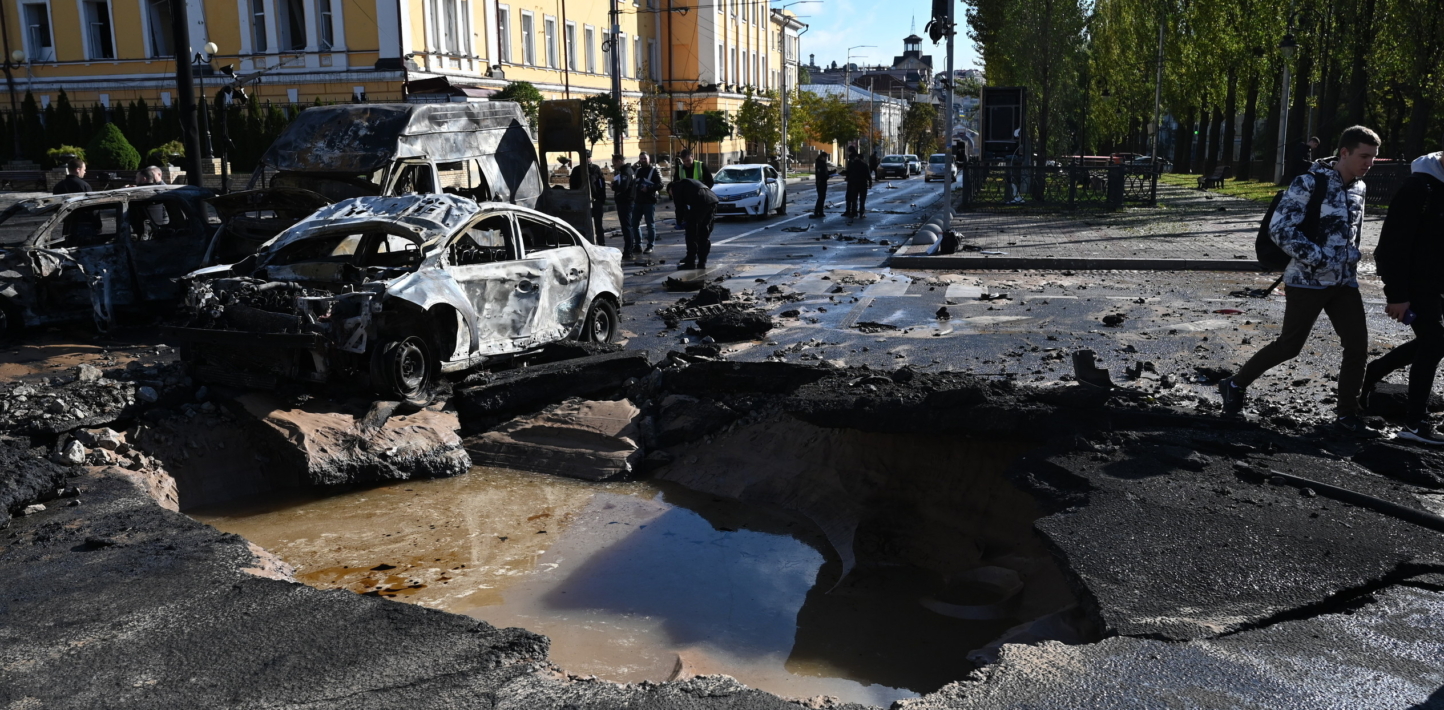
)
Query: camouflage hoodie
[{"x": 1334, "y": 260}]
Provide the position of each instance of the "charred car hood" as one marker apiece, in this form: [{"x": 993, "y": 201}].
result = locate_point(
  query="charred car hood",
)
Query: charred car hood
[{"x": 284, "y": 201}]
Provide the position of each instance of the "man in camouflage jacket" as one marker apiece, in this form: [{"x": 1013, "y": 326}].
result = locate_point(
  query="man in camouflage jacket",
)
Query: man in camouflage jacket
[{"x": 1321, "y": 275}]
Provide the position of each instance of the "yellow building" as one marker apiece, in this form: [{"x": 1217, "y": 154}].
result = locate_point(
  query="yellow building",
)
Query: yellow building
[{"x": 673, "y": 57}]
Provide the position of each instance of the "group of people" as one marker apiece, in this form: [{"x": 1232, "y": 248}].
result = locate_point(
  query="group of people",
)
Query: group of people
[
  {"x": 74, "y": 180},
  {"x": 857, "y": 175},
  {"x": 635, "y": 188},
  {"x": 1318, "y": 223}
]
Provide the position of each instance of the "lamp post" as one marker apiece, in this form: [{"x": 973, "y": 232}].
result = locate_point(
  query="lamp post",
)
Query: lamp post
[
  {"x": 847, "y": 71},
  {"x": 1287, "y": 47},
  {"x": 787, "y": 62},
  {"x": 202, "y": 60},
  {"x": 15, "y": 60}
]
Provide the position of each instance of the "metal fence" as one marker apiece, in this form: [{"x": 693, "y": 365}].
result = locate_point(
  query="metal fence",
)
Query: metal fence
[{"x": 1057, "y": 187}]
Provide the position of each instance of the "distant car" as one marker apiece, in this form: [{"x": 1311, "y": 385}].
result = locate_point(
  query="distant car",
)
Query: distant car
[
  {"x": 893, "y": 166},
  {"x": 940, "y": 167},
  {"x": 1143, "y": 161},
  {"x": 749, "y": 190},
  {"x": 915, "y": 164},
  {"x": 391, "y": 292},
  {"x": 83, "y": 256}
]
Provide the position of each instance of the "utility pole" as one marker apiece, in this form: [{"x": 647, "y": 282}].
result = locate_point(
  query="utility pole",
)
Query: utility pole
[
  {"x": 1157, "y": 96},
  {"x": 948, "y": 135},
  {"x": 616, "y": 60},
  {"x": 186, "y": 88}
]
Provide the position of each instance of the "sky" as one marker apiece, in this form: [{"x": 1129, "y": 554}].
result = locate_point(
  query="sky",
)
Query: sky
[{"x": 836, "y": 25}]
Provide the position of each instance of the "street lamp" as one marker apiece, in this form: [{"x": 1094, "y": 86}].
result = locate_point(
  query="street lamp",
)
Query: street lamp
[
  {"x": 847, "y": 74},
  {"x": 14, "y": 61},
  {"x": 234, "y": 91},
  {"x": 1287, "y": 47},
  {"x": 786, "y": 61},
  {"x": 203, "y": 59}
]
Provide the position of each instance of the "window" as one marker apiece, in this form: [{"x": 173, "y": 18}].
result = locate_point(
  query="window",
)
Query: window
[
  {"x": 503, "y": 32},
  {"x": 550, "y": 27},
  {"x": 38, "y": 43},
  {"x": 571, "y": 46},
  {"x": 607, "y": 50},
  {"x": 485, "y": 242},
  {"x": 325, "y": 25},
  {"x": 638, "y": 57},
  {"x": 621, "y": 48},
  {"x": 158, "y": 34},
  {"x": 733, "y": 73},
  {"x": 766, "y": 75},
  {"x": 590, "y": 35},
  {"x": 448, "y": 28},
  {"x": 528, "y": 43},
  {"x": 89, "y": 227},
  {"x": 655, "y": 60},
  {"x": 258, "y": 26},
  {"x": 539, "y": 236},
  {"x": 721, "y": 64},
  {"x": 97, "y": 30},
  {"x": 158, "y": 220},
  {"x": 292, "y": 27}
]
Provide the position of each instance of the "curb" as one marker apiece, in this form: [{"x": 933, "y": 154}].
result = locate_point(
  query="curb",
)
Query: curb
[{"x": 993, "y": 263}]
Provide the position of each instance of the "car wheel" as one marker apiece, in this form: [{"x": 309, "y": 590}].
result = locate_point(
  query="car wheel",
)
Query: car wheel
[
  {"x": 782, "y": 209},
  {"x": 601, "y": 325},
  {"x": 402, "y": 370},
  {"x": 766, "y": 207}
]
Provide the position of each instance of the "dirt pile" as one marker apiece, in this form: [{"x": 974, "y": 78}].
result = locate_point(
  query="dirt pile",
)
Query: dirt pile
[{"x": 576, "y": 438}]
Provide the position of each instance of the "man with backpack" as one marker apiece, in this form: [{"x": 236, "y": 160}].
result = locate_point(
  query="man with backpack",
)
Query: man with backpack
[
  {"x": 624, "y": 193},
  {"x": 1410, "y": 259},
  {"x": 649, "y": 183},
  {"x": 1317, "y": 223}
]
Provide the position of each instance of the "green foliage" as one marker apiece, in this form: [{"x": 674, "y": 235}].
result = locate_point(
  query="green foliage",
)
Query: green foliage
[
  {"x": 917, "y": 128},
  {"x": 161, "y": 154},
  {"x": 799, "y": 115},
  {"x": 760, "y": 121},
  {"x": 109, "y": 150},
  {"x": 524, "y": 93},
  {"x": 600, "y": 116},
  {"x": 719, "y": 128},
  {"x": 831, "y": 119},
  {"x": 57, "y": 157}
]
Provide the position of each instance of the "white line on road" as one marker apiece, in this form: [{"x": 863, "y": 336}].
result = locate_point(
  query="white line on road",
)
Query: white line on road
[{"x": 769, "y": 225}]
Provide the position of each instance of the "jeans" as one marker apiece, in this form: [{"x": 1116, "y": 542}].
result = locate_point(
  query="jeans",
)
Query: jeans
[
  {"x": 644, "y": 211},
  {"x": 629, "y": 235},
  {"x": 821, "y": 197},
  {"x": 1422, "y": 354},
  {"x": 1345, "y": 309}
]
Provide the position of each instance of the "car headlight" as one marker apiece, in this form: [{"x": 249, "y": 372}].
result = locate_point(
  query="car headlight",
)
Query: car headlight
[{"x": 755, "y": 193}]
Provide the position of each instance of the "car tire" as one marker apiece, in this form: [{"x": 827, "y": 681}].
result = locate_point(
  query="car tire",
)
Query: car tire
[
  {"x": 602, "y": 322},
  {"x": 766, "y": 207},
  {"x": 782, "y": 209},
  {"x": 402, "y": 370}
]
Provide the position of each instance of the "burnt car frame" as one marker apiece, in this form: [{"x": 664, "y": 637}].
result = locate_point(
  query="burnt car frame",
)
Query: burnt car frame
[
  {"x": 395, "y": 291},
  {"x": 72, "y": 257}
]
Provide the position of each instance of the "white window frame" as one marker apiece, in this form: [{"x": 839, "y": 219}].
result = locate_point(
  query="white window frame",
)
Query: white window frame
[
  {"x": 653, "y": 60},
  {"x": 607, "y": 53},
  {"x": 326, "y": 24},
  {"x": 33, "y": 52},
  {"x": 569, "y": 44},
  {"x": 639, "y": 60},
  {"x": 528, "y": 38},
  {"x": 147, "y": 23},
  {"x": 260, "y": 43},
  {"x": 92, "y": 52},
  {"x": 621, "y": 46},
  {"x": 735, "y": 76},
  {"x": 283, "y": 30},
  {"x": 589, "y": 38},
  {"x": 549, "y": 33},
  {"x": 503, "y": 33}
]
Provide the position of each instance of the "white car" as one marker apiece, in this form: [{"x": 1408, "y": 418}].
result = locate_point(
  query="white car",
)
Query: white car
[
  {"x": 940, "y": 167},
  {"x": 751, "y": 190},
  {"x": 915, "y": 164}
]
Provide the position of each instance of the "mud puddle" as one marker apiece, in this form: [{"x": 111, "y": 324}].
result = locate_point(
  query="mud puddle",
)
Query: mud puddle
[{"x": 631, "y": 581}]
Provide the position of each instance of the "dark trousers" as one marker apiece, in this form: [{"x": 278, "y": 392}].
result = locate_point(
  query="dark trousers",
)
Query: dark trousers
[
  {"x": 854, "y": 194},
  {"x": 699, "y": 235},
  {"x": 862, "y": 197},
  {"x": 597, "y": 210},
  {"x": 629, "y": 237},
  {"x": 821, "y": 197},
  {"x": 1345, "y": 309},
  {"x": 1422, "y": 354}
]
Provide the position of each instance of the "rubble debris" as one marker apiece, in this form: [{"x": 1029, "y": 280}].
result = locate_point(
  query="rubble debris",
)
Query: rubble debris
[
  {"x": 994, "y": 297},
  {"x": 1088, "y": 372},
  {"x": 1114, "y": 320},
  {"x": 853, "y": 278},
  {"x": 1143, "y": 369},
  {"x": 1209, "y": 375},
  {"x": 577, "y": 438},
  {"x": 735, "y": 326},
  {"x": 942, "y": 313},
  {"x": 1390, "y": 401},
  {"x": 683, "y": 418},
  {"x": 28, "y": 478},
  {"x": 1409, "y": 464},
  {"x": 690, "y": 282},
  {"x": 710, "y": 295},
  {"x": 871, "y": 327},
  {"x": 722, "y": 378},
  {"x": 529, "y": 389}
]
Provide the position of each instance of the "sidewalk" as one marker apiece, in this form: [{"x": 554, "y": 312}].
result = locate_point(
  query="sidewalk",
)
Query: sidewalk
[{"x": 1188, "y": 230}]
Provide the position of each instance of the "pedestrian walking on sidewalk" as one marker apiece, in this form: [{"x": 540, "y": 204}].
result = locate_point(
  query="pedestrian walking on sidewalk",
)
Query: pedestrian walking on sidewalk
[
  {"x": 624, "y": 192},
  {"x": 1322, "y": 273},
  {"x": 648, "y": 184},
  {"x": 1410, "y": 259},
  {"x": 701, "y": 206},
  {"x": 821, "y": 170},
  {"x": 858, "y": 179}
]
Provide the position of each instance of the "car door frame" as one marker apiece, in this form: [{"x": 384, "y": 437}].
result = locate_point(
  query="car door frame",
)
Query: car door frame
[
  {"x": 492, "y": 290},
  {"x": 161, "y": 284},
  {"x": 121, "y": 272},
  {"x": 398, "y": 166},
  {"x": 565, "y": 281},
  {"x": 774, "y": 188}
]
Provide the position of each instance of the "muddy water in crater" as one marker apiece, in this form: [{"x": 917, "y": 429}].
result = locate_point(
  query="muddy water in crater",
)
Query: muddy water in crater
[{"x": 631, "y": 581}]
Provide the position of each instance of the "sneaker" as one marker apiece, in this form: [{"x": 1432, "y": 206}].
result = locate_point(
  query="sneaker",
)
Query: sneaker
[
  {"x": 685, "y": 266},
  {"x": 1233, "y": 397},
  {"x": 1422, "y": 433},
  {"x": 1354, "y": 425},
  {"x": 648, "y": 250},
  {"x": 628, "y": 256}
]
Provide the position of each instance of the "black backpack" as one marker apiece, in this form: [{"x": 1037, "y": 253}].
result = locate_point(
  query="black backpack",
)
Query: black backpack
[{"x": 1270, "y": 256}]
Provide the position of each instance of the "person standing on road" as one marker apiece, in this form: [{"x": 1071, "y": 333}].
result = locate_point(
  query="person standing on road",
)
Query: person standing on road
[
  {"x": 624, "y": 193},
  {"x": 858, "y": 179},
  {"x": 1410, "y": 259},
  {"x": 872, "y": 162},
  {"x": 1300, "y": 158},
  {"x": 587, "y": 172},
  {"x": 74, "y": 180},
  {"x": 821, "y": 170},
  {"x": 701, "y": 206},
  {"x": 1321, "y": 275},
  {"x": 692, "y": 169},
  {"x": 649, "y": 183}
]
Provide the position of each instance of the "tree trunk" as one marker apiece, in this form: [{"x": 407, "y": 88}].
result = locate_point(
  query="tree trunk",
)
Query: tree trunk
[
  {"x": 1271, "y": 127},
  {"x": 1183, "y": 143},
  {"x": 1230, "y": 116},
  {"x": 1299, "y": 111},
  {"x": 1200, "y": 150},
  {"x": 1418, "y": 123},
  {"x": 1362, "y": 33},
  {"x": 1210, "y": 161},
  {"x": 1250, "y": 119}
]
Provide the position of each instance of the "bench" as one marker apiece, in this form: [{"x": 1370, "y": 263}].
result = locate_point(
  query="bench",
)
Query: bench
[
  {"x": 38, "y": 178},
  {"x": 1221, "y": 173}
]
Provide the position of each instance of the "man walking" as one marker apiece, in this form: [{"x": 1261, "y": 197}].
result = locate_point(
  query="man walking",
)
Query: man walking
[
  {"x": 648, "y": 184},
  {"x": 821, "y": 170},
  {"x": 701, "y": 206},
  {"x": 1300, "y": 158},
  {"x": 858, "y": 179},
  {"x": 1410, "y": 259},
  {"x": 74, "y": 180},
  {"x": 1321, "y": 275},
  {"x": 624, "y": 193}
]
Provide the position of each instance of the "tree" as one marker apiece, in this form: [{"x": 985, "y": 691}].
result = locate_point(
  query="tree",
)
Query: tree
[
  {"x": 760, "y": 121},
  {"x": 835, "y": 120},
  {"x": 108, "y": 149},
  {"x": 917, "y": 128},
  {"x": 525, "y": 94},
  {"x": 601, "y": 115},
  {"x": 799, "y": 117}
]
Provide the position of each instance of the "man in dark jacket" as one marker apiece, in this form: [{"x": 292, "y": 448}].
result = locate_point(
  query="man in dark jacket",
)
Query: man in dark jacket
[
  {"x": 74, "y": 179},
  {"x": 859, "y": 178},
  {"x": 624, "y": 192},
  {"x": 821, "y": 170},
  {"x": 1299, "y": 159},
  {"x": 1410, "y": 260},
  {"x": 701, "y": 206},
  {"x": 587, "y": 172},
  {"x": 649, "y": 183},
  {"x": 1322, "y": 275},
  {"x": 692, "y": 169}
]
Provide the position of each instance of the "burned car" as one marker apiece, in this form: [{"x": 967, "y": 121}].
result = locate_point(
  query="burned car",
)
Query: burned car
[
  {"x": 395, "y": 291},
  {"x": 73, "y": 257}
]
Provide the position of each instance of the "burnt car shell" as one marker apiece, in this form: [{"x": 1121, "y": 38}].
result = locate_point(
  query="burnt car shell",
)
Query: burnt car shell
[
  {"x": 253, "y": 217},
  {"x": 393, "y": 291},
  {"x": 78, "y": 256}
]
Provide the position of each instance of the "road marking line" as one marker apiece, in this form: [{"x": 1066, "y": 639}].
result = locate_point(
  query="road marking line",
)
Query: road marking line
[{"x": 759, "y": 229}]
